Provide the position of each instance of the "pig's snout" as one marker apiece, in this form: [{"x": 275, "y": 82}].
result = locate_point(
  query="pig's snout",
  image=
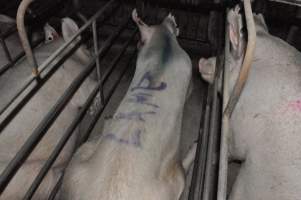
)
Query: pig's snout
[{"x": 207, "y": 69}]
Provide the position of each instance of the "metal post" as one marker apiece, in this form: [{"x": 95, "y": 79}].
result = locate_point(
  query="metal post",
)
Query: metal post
[
  {"x": 95, "y": 41},
  {"x": 24, "y": 37}
]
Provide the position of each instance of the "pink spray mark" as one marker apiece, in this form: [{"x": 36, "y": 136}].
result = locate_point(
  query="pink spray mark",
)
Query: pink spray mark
[{"x": 295, "y": 105}]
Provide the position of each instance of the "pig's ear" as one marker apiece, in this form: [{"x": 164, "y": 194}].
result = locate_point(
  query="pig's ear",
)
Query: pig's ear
[
  {"x": 236, "y": 34},
  {"x": 69, "y": 28},
  {"x": 260, "y": 22},
  {"x": 170, "y": 23},
  {"x": 145, "y": 30}
]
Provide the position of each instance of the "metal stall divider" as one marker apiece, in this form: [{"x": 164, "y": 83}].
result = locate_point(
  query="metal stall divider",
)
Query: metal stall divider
[{"x": 45, "y": 124}]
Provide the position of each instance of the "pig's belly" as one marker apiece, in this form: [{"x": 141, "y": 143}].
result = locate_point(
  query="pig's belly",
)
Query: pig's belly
[{"x": 272, "y": 166}]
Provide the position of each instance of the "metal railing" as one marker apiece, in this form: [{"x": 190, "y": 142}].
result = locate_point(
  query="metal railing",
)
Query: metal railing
[{"x": 65, "y": 50}]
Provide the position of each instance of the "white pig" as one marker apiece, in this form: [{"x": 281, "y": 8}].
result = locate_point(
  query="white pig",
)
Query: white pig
[
  {"x": 18, "y": 131},
  {"x": 266, "y": 122},
  {"x": 137, "y": 156}
]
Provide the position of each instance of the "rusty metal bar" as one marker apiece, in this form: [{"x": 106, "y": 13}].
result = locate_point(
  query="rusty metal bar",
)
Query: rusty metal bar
[
  {"x": 23, "y": 35},
  {"x": 244, "y": 71}
]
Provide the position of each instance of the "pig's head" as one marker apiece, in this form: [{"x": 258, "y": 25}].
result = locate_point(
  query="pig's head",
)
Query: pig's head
[
  {"x": 261, "y": 26},
  {"x": 169, "y": 24},
  {"x": 70, "y": 28},
  {"x": 207, "y": 68}
]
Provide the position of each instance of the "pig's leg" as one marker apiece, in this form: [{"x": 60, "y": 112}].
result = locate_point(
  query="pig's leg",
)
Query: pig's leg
[{"x": 189, "y": 158}]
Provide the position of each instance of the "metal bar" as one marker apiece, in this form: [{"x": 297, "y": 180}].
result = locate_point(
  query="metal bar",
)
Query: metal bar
[
  {"x": 56, "y": 188},
  {"x": 48, "y": 120},
  {"x": 31, "y": 93},
  {"x": 195, "y": 185},
  {"x": 6, "y": 51},
  {"x": 84, "y": 27},
  {"x": 72, "y": 127},
  {"x": 100, "y": 111},
  {"x": 212, "y": 133},
  {"x": 290, "y": 2},
  {"x": 18, "y": 57},
  {"x": 48, "y": 61},
  {"x": 95, "y": 41},
  {"x": 92, "y": 124},
  {"x": 223, "y": 157},
  {"x": 24, "y": 37},
  {"x": 246, "y": 66}
]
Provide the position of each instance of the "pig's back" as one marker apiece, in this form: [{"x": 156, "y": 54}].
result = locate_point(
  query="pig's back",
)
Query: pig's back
[{"x": 268, "y": 124}]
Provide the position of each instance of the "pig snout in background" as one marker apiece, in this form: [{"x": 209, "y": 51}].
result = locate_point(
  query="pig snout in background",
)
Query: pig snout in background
[
  {"x": 18, "y": 131},
  {"x": 266, "y": 122},
  {"x": 137, "y": 155}
]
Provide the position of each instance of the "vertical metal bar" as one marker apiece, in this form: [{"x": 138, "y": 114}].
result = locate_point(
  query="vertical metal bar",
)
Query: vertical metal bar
[
  {"x": 95, "y": 41},
  {"x": 15, "y": 59},
  {"x": 24, "y": 37},
  {"x": 6, "y": 51}
]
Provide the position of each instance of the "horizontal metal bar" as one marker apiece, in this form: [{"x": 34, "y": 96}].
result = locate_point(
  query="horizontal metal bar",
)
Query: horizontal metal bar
[
  {"x": 48, "y": 120},
  {"x": 42, "y": 68},
  {"x": 83, "y": 28},
  {"x": 71, "y": 128}
]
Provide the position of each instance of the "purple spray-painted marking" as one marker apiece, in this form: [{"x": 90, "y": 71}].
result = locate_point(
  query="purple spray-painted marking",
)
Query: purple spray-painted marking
[
  {"x": 149, "y": 82},
  {"x": 138, "y": 116},
  {"x": 141, "y": 98},
  {"x": 135, "y": 138}
]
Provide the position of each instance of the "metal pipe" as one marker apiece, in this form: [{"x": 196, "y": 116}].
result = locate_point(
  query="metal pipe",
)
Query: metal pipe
[
  {"x": 48, "y": 120},
  {"x": 100, "y": 111},
  {"x": 290, "y": 2},
  {"x": 54, "y": 56},
  {"x": 95, "y": 42},
  {"x": 229, "y": 102},
  {"x": 196, "y": 181},
  {"x": 71, "y": 128},
  {"x": 223, "y": 157},
  {"x": 23, "y": 35},
  {"x": 14, "y": 60},
  {"x": 6, "y": 51},
  {"x": 92, "y": 124},
  {"x": 244, "y": 71},
  {"x": 10, "y": 116}
]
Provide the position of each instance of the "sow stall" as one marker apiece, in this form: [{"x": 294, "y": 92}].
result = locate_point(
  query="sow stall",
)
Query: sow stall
[{"x": 107, "y": 29}]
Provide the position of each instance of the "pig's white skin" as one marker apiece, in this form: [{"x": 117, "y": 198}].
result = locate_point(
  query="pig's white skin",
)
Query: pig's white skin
[
  {"x": 17, "y": 132},
  {"x": 266, "y": 122},
  {"x": 109, "y": 170}
]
